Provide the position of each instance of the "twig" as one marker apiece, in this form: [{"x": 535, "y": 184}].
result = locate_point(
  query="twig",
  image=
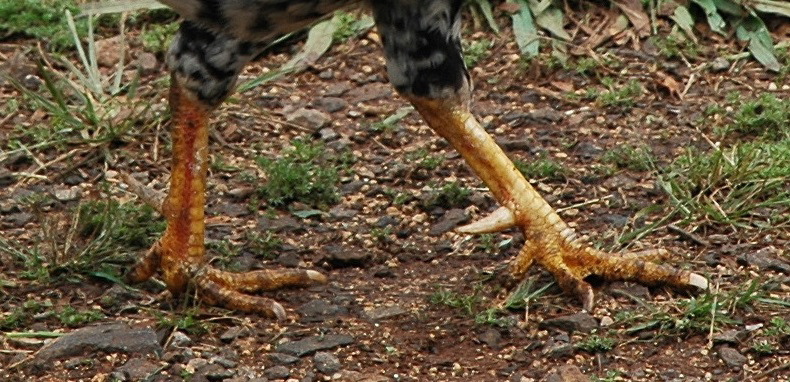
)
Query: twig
[
  {"x": 582, "y": 204},
  {"x": 687, "y": 235},
  {"x": 147, "y": 194},
  {"x": 771, "y": 371}
]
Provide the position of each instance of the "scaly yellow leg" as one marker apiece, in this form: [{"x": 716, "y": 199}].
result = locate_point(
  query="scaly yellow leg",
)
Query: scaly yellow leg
[
  {"x": 550, "y": 242},
  {"x": 180, "y": 253}
]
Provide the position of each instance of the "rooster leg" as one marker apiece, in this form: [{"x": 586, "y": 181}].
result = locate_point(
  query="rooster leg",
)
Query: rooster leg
[
  {"x": 551, "y": 243},
  {"x": 180, "y": 253}
]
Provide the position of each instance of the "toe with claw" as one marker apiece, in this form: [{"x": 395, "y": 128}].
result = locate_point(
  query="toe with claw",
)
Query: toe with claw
[
  {"x": 551, "y": 243},
  {"x": 180, "y": 254}
]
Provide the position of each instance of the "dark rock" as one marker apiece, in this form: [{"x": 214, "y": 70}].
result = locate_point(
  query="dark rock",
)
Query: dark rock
[
  {"x": 732, "y": 357},
  {"x": 308, "y": 377},
  {"x": 219, "y": 373},
  {"x": 109, "y": 338},
  {"x": 311, "y": 119},
  {"x": 618, "y": 221},
  {"x": 233, "y": 333},
  {"x": 516, "y": 144},
  {"x": 587, "y": 150},
  {"x": 369, "y": 92},
  {"x": 281, "y": 224},
  {"x": 352, "y": 187},
  {"x": 712, "y": 259},
  {"x": 579, "y": 322},
  {"x": 71, "y": 180},
  {"x": 336, "y": 89},
  {"x": 386, "y": 221},
  {"x": 147, "y": 63},
  {"x": 765, "y": 259},
  {"x": 67, "y": 194},
  {"x": 555, "y": 349},
  {"x": 326, "y": 363},
  {"x": 19, "y": 219},
  {"x": 229, "y": 209},
  {"x": 137, "y": 369},
  {"x": 719, "y": 64},
  {"x": 277, "y": 372},
  {"x": 289, "y": 260},
  {"x": 326, "y": 74},
  {"x": 340, "y": 213},
  {"x": 327, "y": 134},
  {"x": 283, "y": 359},
  {"x": 241, "y": 193},
  {"x": 342, "y": 257},
  {"x": 180, "y": 339},
  {"x": 384, "y": 312},
  {"x": 450, "y": 220},
  {"x": 731, "y": 337},
  {"x": 313, "y": 344},
  {"x": 320, "y": 310},
  {"x": 629, "y": 290},
  {"x": 492, "y": 338},
  {"x": 6, "y": 178},
  {"x": 331, "y": 104},
  {"x": 211, "y": 372},
  {"x": 566, "y": 373}
]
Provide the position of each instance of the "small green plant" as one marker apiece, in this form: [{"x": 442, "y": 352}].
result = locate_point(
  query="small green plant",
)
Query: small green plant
[
  {"x": 493, "y": 317},
  {"x": 20, "y": 316},
  {"x": 187, "y": 322},
  {"x": 476, "y": 51},
  {"x": 73, "y": 318},
  {"x": 42, "y": 19},
  {"x": 305, "y": 173},
  {"x": 454, "y": 300},
  {"x": 399, "y": 198},
  {"x": 425, "y": 159},
  {"x": 595, "y": 343},
  {"x": 629, "y": 157},
  {"x": 263, "y": 245},
  {"x": 611, "y": 376},
  {"x": 381, "y": 234},
  {"x": 623, "y": 97},
  {"x": 156, "y": 37},
  {"x": 485, "y": 243},
  {"x": 348, "y": 26},
  {"x": 102, "y": 238},
  {"x": 451, "y": 195},
  {"x": 543, "y": 168},
  {"x": 767, "y": 116},
  {"x": 676, "y": 46},
  {"x": 745, "y": 185}
]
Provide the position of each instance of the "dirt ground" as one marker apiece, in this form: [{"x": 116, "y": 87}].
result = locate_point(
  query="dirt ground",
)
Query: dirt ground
[{"x": 412, "y": 297}]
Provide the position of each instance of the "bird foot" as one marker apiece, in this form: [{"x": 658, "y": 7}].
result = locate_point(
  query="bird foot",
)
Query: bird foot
[
  {"x": 180, "y": 252},
  {"x": 214, "y": 286},
  {"x": 551, "y": 243},
  {"x": 553, "y": 246}
]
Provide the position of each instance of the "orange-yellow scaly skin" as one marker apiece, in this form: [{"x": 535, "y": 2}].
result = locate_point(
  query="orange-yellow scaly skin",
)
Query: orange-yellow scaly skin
[
  {"x": 550, "y": 242},
  {"x": 180, "y": 252}
]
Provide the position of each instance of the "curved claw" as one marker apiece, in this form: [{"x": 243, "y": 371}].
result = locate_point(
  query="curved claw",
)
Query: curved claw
[
  {"x": 228, "y": 289},
  {"x": 497, "y": 221}
]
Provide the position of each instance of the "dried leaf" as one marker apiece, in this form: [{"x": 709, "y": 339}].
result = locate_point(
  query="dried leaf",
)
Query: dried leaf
[
  {"x": 668, "y": 83},
  {"x": 635, "y": 12}
]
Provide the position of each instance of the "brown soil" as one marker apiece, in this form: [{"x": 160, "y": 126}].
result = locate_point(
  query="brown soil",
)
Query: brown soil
[{"x": 403, "y": 266}]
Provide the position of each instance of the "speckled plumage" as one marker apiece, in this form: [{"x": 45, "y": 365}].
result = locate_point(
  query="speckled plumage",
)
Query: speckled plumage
[{"x": 421, "y": 41}]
